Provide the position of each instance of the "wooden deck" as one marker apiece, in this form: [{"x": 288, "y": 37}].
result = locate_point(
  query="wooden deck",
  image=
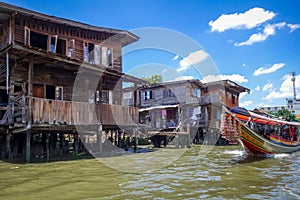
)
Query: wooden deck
[{"x": 53, "y": 112}]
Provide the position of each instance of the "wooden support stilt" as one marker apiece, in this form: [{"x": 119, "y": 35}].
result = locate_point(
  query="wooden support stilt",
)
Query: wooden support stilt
[
  {"x": 75, "y": 143},
  {"x": 47, "y": 147},
  {"x": 8, "y": 144},
  {"x": 135, "y": 140},
  {"x": 61, "y": 143},
  {"x": 188, "y": 129},
  {"x": 28, "y": 137},
  {"x": 115, "y": 138},
  {"x": 99, "y": 138},
  {"x": 176, "y": 141}
]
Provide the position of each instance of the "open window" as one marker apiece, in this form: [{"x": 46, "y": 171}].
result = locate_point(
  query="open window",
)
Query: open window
[
  {"x": 91, "y": 53},
  {"x": 148, "y": 95},
  {"x": 97, "y": 54},
  {"x": 27, "y": 36},
  {"x": 52, "y": 42},
  {"x": 85, "y": 52},
  {"x": 71, "y": 48},
  {"x": 109, "y": 57},
  {"x": 50, "y": 92},
  {"x": 61, "y": 47},
  {"x": 38, "y": 40},
  {"x": 104, "y": 56},
  {"x": 59, "y": 90},
  {"x": 106, "y": 97}
]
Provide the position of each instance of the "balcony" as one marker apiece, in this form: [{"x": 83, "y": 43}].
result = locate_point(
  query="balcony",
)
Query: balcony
[{"x": 53, "y": 112}]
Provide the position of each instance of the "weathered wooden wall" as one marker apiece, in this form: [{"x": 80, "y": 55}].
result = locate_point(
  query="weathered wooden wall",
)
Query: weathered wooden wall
[{"x": 68, "y": 33}]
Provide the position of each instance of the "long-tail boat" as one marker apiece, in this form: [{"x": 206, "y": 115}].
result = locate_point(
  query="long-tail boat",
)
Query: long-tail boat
[{"x": 260, "y": 134}]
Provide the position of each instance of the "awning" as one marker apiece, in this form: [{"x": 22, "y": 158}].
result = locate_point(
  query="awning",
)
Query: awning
[{"x": 158, "y": 107}]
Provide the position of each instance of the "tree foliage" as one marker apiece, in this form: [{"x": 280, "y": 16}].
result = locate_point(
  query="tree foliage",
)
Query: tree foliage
[
  {"x": 154, "y": 79},
  {"x": 286, "y": 115}
]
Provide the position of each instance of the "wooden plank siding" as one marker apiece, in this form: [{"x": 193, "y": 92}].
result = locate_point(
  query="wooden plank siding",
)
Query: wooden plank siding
[
  {"x": 81, "y": 113},
  {"x": 66, "y": 32}
]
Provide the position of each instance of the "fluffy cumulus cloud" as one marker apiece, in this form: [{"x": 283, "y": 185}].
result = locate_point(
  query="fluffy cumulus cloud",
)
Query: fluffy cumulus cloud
[
  {"x": 245, "y": 103},
  {"x": 269, "y": 30},
  {"x": 267, "y": 87},
  {"x": 263, "y": 70},
  {"x": 285, "y": 90},
  {"x": 192, "y": 59},
  {"x": 234, "y": 77},
  {"x": 247, "y": 20}
]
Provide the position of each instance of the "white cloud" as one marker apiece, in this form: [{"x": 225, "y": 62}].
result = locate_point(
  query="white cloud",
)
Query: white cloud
[
  {"x": 269, "y": 30},
  {"x": 285, "y": 90},
  {"x": 267, "y": 86},
  {"x": 176, "y": 57},
  {"x": 257, "y": 88},
  {"x": 293, "y": 27},
  {"x": 192, "y": 59},
  {"x": 263, "y": 70},
  {"x": 247, "y": 20},
  {"x": 245, "y": 103},
  {"x": 244, "y": 64},
  {"x": 234, "y": 77},
  {"x": 242, "y": 95}
]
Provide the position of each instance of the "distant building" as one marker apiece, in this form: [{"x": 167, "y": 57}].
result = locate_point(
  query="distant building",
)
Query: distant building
[
  {"x": 173, "y": 106},
  {"x": 273, "y": 109},
  {"x": 293, "y": 105}
]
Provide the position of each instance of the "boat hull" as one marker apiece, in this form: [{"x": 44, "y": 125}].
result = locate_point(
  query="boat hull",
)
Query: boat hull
[{"x": 258, "y": 145}]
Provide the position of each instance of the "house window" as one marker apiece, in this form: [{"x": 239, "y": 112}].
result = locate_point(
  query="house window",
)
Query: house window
[
  {"x": 71, "y": 48},
  {"x": 39, "y": 40},
  {"x": 107, "y": 56},
  {"x": 61, "y": 47},
  {"x": 50, "y": 92},
  {"x": 97, "y": 54},
  {"x": 97, "y": 96},
  {"x": 148, "y": 95},
  {"x": 197, "y": 92},
  {"x": 52, "y": 42},
  {"x": 168, "y": 93},
  {"x": 59, "y": 93},
  {"x": 85, "y": 52},
  {"x": 233, "y": 99},
  {"x": 91, "y": 53},
  {"x": 104, "y": 56},
  {"x": 107, "y": 97},
  {"x": 27, "y": 36}
]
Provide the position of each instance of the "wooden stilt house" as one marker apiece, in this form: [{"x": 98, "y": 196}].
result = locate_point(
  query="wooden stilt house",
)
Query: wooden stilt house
[{"x": 58, "y": 76}]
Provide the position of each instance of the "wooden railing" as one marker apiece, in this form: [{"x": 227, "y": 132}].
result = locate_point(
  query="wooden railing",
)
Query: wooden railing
[{"x": 45, "y": 111}]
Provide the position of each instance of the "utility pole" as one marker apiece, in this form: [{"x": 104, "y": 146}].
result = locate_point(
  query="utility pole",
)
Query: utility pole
[{"x": 293, "y": 79}]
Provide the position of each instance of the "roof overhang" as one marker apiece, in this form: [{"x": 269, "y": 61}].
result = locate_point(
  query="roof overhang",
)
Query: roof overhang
[
  {"x": 158, "y": 107},
  {"x": 6, "y": 10}
]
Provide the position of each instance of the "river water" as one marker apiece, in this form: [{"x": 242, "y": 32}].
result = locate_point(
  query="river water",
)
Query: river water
[{"x": 220, "y": 173}]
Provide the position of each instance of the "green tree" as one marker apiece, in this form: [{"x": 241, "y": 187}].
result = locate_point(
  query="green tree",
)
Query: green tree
[
  {"x": 154, "y": 79},
  {"x": 286, "y": 114}
]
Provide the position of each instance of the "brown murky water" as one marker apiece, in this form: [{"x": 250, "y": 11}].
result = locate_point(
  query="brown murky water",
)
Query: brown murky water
[{"x": 221, "y": 174}]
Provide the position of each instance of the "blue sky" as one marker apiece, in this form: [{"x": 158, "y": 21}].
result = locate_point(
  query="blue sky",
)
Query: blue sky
[{"x": 254, "y": 43}]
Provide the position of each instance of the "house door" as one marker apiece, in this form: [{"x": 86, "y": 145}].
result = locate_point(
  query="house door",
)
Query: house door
[{"x": 38, "y": 90}]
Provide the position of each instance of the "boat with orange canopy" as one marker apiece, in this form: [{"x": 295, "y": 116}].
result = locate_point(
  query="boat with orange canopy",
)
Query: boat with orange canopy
[{"x": 259, "y": 133}]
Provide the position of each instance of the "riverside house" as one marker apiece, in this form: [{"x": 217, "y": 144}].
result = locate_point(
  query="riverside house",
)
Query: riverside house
[{"x": 60, "y": 84}]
